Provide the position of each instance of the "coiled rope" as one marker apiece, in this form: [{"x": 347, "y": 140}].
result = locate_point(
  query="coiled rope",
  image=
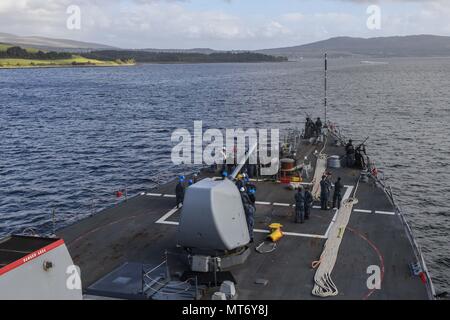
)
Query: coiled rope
[{"x": 323, "y": 284}]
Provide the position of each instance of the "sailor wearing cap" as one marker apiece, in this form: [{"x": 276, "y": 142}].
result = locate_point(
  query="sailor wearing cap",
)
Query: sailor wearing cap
[
  {"x": 179, "y": 191},
  {"x": 249, "y": 209},
  {"x": 299, "y": 206}
]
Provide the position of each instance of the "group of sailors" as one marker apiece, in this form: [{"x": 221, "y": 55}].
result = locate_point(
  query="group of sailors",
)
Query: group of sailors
[
  {"x": 312, "y": 129},
  {"x": 325, "y": 191},
  {"x": 304, "y": 198},
  {"x": 303, "y": 204},
  {"x": 355, "y": 156}
]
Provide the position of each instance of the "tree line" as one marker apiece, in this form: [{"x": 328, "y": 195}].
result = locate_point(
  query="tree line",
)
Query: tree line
[
  {"x": 20, "y": 53},
  {"x": 181, "y": 57}
]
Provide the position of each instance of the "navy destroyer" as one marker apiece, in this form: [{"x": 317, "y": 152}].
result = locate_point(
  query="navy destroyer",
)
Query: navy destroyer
[{"x": 148, "y": 248}]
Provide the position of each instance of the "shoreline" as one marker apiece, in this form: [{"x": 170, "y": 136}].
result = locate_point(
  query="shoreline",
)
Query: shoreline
[
  {"x": 67, "y": 66},
  {"x": 133, "y": 64}
]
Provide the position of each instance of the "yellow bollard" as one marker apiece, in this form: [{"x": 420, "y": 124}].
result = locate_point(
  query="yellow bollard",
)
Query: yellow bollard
[{"x": 275, "y": 232}]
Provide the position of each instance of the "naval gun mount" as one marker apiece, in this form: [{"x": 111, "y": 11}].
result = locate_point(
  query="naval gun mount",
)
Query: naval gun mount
[{"x": 213, "y": 228}]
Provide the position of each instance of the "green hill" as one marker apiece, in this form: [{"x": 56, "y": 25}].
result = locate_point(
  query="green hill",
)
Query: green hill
[{"x": 17, "y": 57}]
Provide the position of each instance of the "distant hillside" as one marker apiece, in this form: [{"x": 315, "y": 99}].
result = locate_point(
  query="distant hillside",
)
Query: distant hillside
[
  {"x": 406, "y": 46},
  {"x": 43, "y": 43},
  {"x": 194, "y": 50},
  {"x": 181, "y": 57}
]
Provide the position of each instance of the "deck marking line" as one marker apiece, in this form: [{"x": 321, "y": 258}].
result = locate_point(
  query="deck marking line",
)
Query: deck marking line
[
  {"x": 386, "y": 212},
  {"x": 172, "y": 223},
  {"x": 362, "y": 210},
  {"x": 169, "y": 196},
  {"x": 347, "y": 194},
  {"x": 331, "y": 224},
  {"x": 281, "y": 204},
  {"x": 154, "y": 194},
  {"x": 294, "y": 234},
  {"x": 305, "y": 235},
  {"x": 263, "y": 203},
  {"x": 162, "y": 220}
]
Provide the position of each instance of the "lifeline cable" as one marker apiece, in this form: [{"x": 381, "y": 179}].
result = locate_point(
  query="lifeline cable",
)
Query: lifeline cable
[{"x": 272, "y": 248}]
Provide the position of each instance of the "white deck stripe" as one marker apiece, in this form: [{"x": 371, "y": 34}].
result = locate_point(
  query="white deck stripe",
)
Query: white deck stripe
[
  {"x": 172, "y": 223},
  {"x": 154, "y": 194},
  {"x": 293, "y": 234},
  {"x": 263, "y": 203},
  {"x": 362, "y": 210},
  {"x": 305, "y": 235},
  {"x": 331, "y": 223},
  {"x": 162, "y": 220},
  {"x": 281, "y": 204},
  {"x": 385, "y": 212},
  {"x": 347, "y": 194},
  {"x": 261, "y": 231},
  {"x": 169, "y": 196}
]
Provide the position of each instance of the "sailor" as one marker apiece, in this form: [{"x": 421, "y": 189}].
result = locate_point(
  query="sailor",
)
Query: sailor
[
  {"x": 179, "y": 191},
  {"x": 249, "y": 210},
  {"x": 324, "y": 192},
  {"x": 251, "y": 191},
  {"x": 318, "y": 127},
  {"x": 223, "y": 153},
  {"x": 348, "y": 145},
  {"x": 309, "y": 128},
  {"x": 195, "y": 178},
  {"x": 190, "y": 183},
  {"x": 359, "y": 158},
  {"x": 240, "y": 181},
  {"x": 251, "y": 170},
  {"x": 308, "y": 202},
  {"x": 246, "y": 178},
  {"x": 224, "y": 174},
  {"x": 337, "y": 195},
  {"x": 350, "y": 152},
  {"x": 299, "y": 206}
]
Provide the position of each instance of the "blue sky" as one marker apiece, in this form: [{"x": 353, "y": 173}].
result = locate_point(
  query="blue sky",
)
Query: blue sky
[{"x": 221, "y": 24}]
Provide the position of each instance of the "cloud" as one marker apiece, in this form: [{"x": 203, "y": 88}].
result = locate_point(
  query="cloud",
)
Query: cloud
[{"x": 180, "y": 24}]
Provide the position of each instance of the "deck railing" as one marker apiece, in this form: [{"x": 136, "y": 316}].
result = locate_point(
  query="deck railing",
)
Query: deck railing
[{"x": 381, "y": 181}]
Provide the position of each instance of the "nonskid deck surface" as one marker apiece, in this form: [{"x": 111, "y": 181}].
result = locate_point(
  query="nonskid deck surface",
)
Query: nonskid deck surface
[{"x": 144, "y": 228}]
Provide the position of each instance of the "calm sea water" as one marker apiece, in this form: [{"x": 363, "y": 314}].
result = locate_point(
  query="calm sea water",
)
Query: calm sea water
[{"x": 70, "y": 137}]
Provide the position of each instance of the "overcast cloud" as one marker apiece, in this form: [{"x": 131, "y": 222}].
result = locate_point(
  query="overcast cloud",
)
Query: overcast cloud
[{"x": 220, "y": 24}]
